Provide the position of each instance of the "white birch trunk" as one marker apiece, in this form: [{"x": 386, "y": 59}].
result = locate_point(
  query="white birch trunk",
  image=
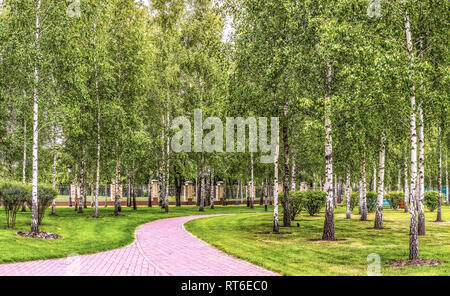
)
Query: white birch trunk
[
  {"x": 82, "y": 182},
  {"x": 162, "y": 192},
  {"x": 24, "y": 162},
  {"x": 252, "y": 185},
  {"x": 375, "y": 187},
  {"x": 34, "y": 182},
  {"x": 150, "y": 188},
  {"x": 293, "y": 185},
  {"x": 380, "y": 196},
  {"x": 97, "y": 176},
  {"x": 240, "y": 190},
  {"x": 128, "y": 189},
  {"x": 237, "y": 193},
  {"x": 117, "y": 205},
  {"x": 420, "y": 192},
  {"x": 276, "y": 225},
  {"x": 75, "y": 181},
  {"x": 363, "y": 189},
  {"x": 54, "y": 178},
  {"x": 413, "y": 229},
  {"x": 360, "y": 197},
  {"x": 348, "y": 192},
  {"x": 202, "y": 180},
  {"x": 167, "y": 178},
  {"x": 439, "y": 209},
  {"x": 213, "y": 186},
  {"x": 328, "y": 229},
  {"x": 406, "y": 190},
  {"x": 446, "y": 179}
]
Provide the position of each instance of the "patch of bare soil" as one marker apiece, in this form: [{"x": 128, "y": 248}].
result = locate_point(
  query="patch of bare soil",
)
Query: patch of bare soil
[
  {"x": 118, "y": 215},
  {"x": 44, "y": 235},
  {"x": 420, "y": 262},
  {"x": 273, "y": 232}
]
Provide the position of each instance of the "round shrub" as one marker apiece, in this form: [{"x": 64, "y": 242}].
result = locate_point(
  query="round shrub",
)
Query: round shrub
[
  {"x": 395, "y": 198},
  {"x": 314, "y": 200},
  {"x": 13, "y": 195},
  {"x": 46, "y": 194},
  {"x": 354, "y": 200},
  {"x": 431, "y": 200},
  {"x": 295, "y": 202},
  {"x": 371, "y": 201}
]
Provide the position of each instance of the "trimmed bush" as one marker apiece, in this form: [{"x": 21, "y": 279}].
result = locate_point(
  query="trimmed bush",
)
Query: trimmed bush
[
  {"x": 371, "y": 201},
  {"x": 313, "y": 201},
  {"x": 295, "y": 202},
  {"x": 13, "y": 195},
  {"x": 46, "y": 194},
  {"x": 354, "y": 200},
  {"x": 431, "y": 200},
  {"x": 396, "y": 198}
]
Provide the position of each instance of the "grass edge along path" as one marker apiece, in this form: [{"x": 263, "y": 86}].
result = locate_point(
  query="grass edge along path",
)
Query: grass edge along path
[
  {"x": 85, "y": 235},
  {"x": 301, "y": 253}
]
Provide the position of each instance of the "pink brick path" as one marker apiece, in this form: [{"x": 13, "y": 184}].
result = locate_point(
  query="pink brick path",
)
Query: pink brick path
[{"x": 161, "y": 247}]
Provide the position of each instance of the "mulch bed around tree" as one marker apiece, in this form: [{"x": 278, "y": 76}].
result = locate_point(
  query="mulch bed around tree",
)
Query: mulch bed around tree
[
  {"x": 273, "y": 232},
  {"x": 322, "y": 240},
  {"x": 420, "y": 262},
  {"x": 44, "y": 235}
]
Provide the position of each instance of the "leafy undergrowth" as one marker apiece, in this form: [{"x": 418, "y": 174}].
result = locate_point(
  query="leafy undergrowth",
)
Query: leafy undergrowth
[
  {"x": 303, "y": 253},
  {"x": 82, "y": 234}
]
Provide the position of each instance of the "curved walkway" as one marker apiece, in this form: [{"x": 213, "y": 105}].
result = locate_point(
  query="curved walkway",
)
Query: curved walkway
[{"x": 162, "y": 247}]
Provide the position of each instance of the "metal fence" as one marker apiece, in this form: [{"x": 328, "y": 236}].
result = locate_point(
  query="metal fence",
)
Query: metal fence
[{"x": 231, "y": 192}]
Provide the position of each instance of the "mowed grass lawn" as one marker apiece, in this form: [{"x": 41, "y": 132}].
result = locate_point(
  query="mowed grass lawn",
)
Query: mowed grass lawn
[
  {"x": 300, "y": 253},
  {"x": 84, "y": 235}
]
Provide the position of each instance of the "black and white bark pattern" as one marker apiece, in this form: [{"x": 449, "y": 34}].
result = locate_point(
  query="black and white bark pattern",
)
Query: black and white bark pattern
[
  {"x": 328, "y": 229},
  {"x": 406, "y": 189},
  {"x": 347, "y": 193},
  {"x": 276, "y": 226},
  {"x": 413, "y": 227},
  {"x": 420, "y": 192},
  {"x": 380, "y": 195},
  {"x": 286, "y": 210},
  {"x": 363, "y": 198},
  {"x": 439, "y": 209},
  {"x": 34, "y": 181}
]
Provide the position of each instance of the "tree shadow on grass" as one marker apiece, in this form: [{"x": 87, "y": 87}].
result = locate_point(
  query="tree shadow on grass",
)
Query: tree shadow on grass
[{"x": 420, "y": 262}]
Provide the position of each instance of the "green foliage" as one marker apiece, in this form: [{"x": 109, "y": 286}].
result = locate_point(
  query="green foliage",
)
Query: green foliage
[
  {"x": 354, "y": 200},
  {"x": 431, "y": 200},
  {"x": 395, "y": 198},
  {"x": 314, "y": 200},
  {"x": 371, "y": 200},
  {"x": 296, "y": 199},
  {"x": 13, "y": 195},
  {"x": 83, "y": 235},
  {"x": 288, "y": 255},
  {"x": 46, "y": 194},
  {"x": 296, "y": 202}
]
